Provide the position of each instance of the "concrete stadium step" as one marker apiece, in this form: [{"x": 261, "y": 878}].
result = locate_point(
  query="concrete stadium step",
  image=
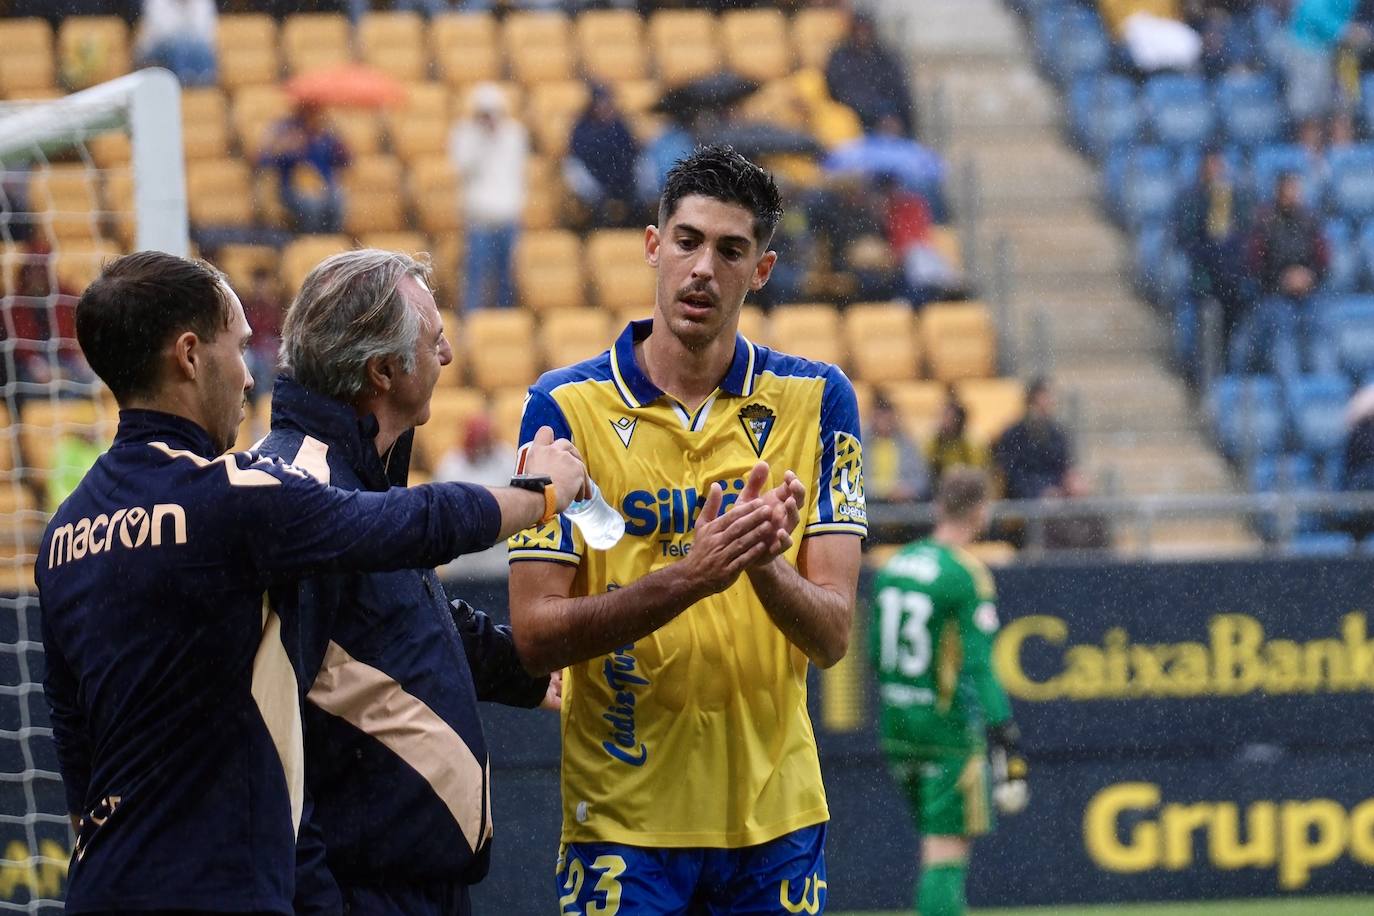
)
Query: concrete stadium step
[
  {"x": 1035, "y": 168},
  {"x": 978, "y": 101},
  {"x": 1185, "y": 538},
  {"x": 953, "y": 30},
  {"x": 1084, "y": 331},
  {"x": 1161, "y": 468}
]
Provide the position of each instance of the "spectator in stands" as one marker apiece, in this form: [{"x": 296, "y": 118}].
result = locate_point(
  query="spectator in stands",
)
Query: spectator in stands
[
  {"x": 847, "y": 214},
  {"x": 43, "y": 314},
  {"x": 869, "y": 78},
  {"x": 1211, "y": 223},
  {"x": 1035, "y": 455},
  {"x": 600, "y": 165},
  {"x": 1315, "y": 29},
  {"x": 894, "y": 468},
  {"x": 478, "y": 457},
  {"x": 489, "y": 151},
  {"x": 263, "y": 307},
  {"x": 1289, "y": 259},
  {"x": 179, "y": 35},
  {"x": 308, "y": 155},
  {"x": 888, "y": 152},
  {"x": 951, "y": 446}
]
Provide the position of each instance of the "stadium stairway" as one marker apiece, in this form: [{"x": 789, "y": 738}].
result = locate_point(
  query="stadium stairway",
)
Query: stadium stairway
[{"x": 1137, "y": 428}]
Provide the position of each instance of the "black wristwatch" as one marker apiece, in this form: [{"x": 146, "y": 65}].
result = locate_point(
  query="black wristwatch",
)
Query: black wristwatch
[{"x": 539, "y": 483}]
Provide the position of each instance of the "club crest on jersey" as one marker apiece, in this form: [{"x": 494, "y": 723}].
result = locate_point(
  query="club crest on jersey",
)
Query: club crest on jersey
[
  {"x": 624, "y": 429},
  {"x": 757, "y": 421}
]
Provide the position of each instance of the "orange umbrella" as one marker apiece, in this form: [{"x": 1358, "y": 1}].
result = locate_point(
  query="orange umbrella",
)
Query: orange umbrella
[{"x": 351, "y": 85}]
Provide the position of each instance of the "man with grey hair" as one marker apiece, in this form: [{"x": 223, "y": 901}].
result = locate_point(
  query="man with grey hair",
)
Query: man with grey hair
[{"x": 396, "y": 763}]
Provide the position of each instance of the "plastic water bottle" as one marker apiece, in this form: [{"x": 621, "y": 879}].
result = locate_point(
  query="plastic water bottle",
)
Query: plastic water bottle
[{"x": 602, "y": 527}]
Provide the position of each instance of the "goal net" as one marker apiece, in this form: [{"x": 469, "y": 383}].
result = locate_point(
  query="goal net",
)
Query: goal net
[{"x": 83, "y": 178}]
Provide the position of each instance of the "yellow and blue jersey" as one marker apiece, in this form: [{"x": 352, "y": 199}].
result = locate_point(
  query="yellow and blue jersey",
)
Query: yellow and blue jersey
[{"x": 698, "y": 734}]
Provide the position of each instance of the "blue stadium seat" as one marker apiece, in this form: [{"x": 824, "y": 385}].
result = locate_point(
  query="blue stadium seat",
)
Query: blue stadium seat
[
  {"x": 1251, "y": 109},
  {"x": 1248, "y": 415},
  {"x": 1271, "y": 161},
  {"x": 1367, "y": 103},
  {"x": 1350, "y": 191},
  {"x": 1366, "y": 245},
  {"x": 1350, "y": 324},
  {"x": 1180, "y": 109},
  {"x": 1317, "y": 405},
  {"x": 1320, "y": 544},
  {"x": 1072, "y": 43},
  {"x": 1103, "y": 115},
  {"x": 1282, "y": 474},
  {"x": 1343, "y": 269},
  {"x": 1143, "y": 187}
]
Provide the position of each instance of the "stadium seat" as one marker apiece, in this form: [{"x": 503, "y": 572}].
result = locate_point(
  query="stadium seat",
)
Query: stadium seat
[
  {"x": 1366, "y": 245},
  {"x": 48, "y": 419},
  {"x": 255, "y": 110},
  {"x": 360, "y": 130},
  {"x": 449, "y": 409},
  {"x": 544, "y": 194},
  {"x": 549, "y": 270},
  {"x": 1250, "y": 108},
  {"x": 371, "y": 201},
  {"x": 918, "y": 404},
  {"x": 550, "y": 112},
  {"x": 611, "y": 45},
  {"x": 753, "y": 324},
  {"x": 240, "y": 262},
  {"x": 249, "y": 51},
  {"x": 219, "y": 192},
  {"x": 1139, "y": 184},
  {"x": 620, "y": 278},
  {"x": 1179, "y": 109},
  {"x": 1317, "y": 405},
  {"x": 808, "y": 330},
  {"x": 993, "y": 553},
  {"x": 880, "y": 338},
  {"x": 465, "y": 48},
  {"x": 92, "y": 49},
  {"x": 958, "y": 340},
  {"x": 1343, "y": 258},
  {"x": 756, "y": 43},
  {"x": 1077, "y": 47},
  {"x": 313, "y": 41},
  {"x": 1103, "y": 115},
  {"x": 420, "y": 137},
  {"x": 1350, "y": 189},
  {"x": 507, "y": 408},
  {"x": 67, "y": 200},
  {"x": 539, "y": 47},
  {"x": 1248, "y": 415},
  {"x": 204, "y": 123},
  {"x": 1320, "y": 544},
  {"x": 1272, "y": 161},
  {"x": 434, "y": 194},
  {"x": 1350, "y": 326},
  {"x": 569, "y": 336},
  {"x": 111, "y": 150},
  {"x": 993, "y": 404},
  {"x": 815, "y": 32},
  {"x": 303, "y": 253},
  {"x": 404, "y": 241},
  {"x": 685, "y": 45},
  {"x": 29, "y": 63},
  {"x": 498, "y": 345},
  {"x": 393, "y": 42}
]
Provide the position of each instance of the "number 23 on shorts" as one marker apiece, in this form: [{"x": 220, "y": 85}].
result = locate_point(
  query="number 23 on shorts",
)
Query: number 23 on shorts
[{"x": 603, "y": 898}]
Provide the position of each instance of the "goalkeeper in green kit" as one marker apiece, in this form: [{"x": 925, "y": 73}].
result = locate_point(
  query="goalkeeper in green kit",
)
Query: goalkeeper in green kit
[{"x": 945, "y": 721}]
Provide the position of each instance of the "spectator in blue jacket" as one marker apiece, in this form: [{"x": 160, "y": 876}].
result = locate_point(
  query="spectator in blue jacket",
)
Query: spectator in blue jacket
[
  {"x": 870, "y": 78},
  {"x": 308, "y": 156},
  {"x": 395, "y": 760},
  {"x": 1035, "y": 455},
  {"x": 600, "y": 165},
  {"x": 174, "y": 691}
]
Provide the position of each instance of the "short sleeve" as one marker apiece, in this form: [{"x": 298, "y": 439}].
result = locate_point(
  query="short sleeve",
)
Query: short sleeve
[
  {"x": 839, "y": 507},
  {"x": 556, "y": 540}
]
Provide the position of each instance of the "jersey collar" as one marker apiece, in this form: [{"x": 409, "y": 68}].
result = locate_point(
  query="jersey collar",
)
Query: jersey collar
[
  {"x": 139, "y": 427},
  {"x": 337, "y": 424},
  {"x": 634, "y": 386}
]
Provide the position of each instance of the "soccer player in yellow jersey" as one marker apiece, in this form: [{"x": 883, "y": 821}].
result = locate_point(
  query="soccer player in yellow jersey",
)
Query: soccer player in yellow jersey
[{"x": 690, "y": 778}]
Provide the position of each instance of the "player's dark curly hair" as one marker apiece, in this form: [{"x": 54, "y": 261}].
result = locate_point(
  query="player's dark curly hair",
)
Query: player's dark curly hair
[{"x": 722, "y": 173}]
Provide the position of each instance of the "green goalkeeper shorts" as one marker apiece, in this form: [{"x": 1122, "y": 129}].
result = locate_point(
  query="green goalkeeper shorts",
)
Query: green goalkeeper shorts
[{"x": 948, "y": 796}]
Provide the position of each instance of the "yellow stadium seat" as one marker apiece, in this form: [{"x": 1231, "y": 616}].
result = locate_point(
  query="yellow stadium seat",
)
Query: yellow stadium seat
[
  {"x": 539, "y": 46},
  {"x": 810, "y": 330},
  {"x": 92, "y": 49},
  {"x": 111, "y": 150},
  {"x": 449, "y": 409},
  {"x": 685, "y": 45},
  {"x": 204, "y": 123},
  {"x": 945, "y": 241},
  {"x": 507, "y": 409},
  {"x": 119, "y": 200},
  {"x": 406, "y": 242},
  {"x": 753, "y": 324},
  {"x": 28, "y": 62},
  {"x": 544, "y": 194},
  {"x": 465, "y": 48},
  {"x": 361, "y": 131},
  {"x": 49, "y": 419},
  {"x": 550, "y": 112},
  {"x": 447, "y": 254},
  {"x": 78, "y": 263},
  {"x": 611, "y": 43},
  {"x": 993, "y": 405},
  {"x": 219, "y": 192},
  {"x": 372, "y": 198},
  {"x": 417, "y": 138},
  {"x": 757, "y": 45},
  {"x": 881, "y": 341},
  {"x": 373, "y": 173},
  {"x": 569, "y": 336},
  {"x": 959, "y": 340},
  {"x": 497, "y": 343},
  {"x": 619, "y": 276},
  {"x": 303, "y": 253},
  {"x": 240, "y": 262},
  {"x": 993, "y": 553},
  {"x": 424, "y": 101},
  {"x": 249, "y": 50},
  {"x": 434, "y": 194},
  {"x": 624, "y": 315},
  {"x": 255, "y": 110},
  {"x": 68, "y": 201},
  {"x": 777, "y": 102},
  {"x": 313, "y": 41},
  {"x": 816, "y": 31},
  {"x": 393, "y": 42},
  {"x": 548, "y": 270},
  {"x": 919, "y": 404}
]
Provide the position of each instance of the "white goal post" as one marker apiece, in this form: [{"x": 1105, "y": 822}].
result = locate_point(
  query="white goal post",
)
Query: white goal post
[{"x": 147, "y": 104}]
